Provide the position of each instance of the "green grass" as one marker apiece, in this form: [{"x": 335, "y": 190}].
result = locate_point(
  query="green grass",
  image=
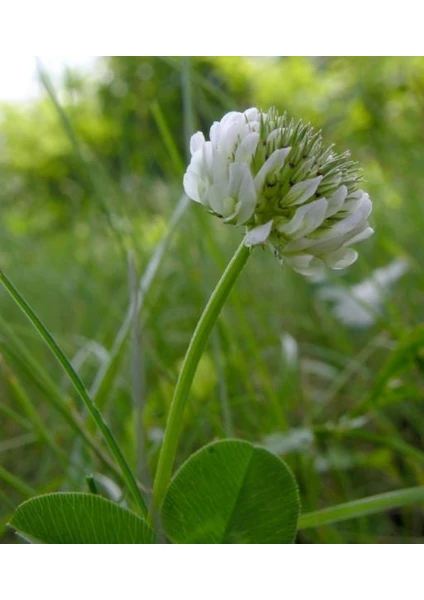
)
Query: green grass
[{"x": 356, "y": 392}]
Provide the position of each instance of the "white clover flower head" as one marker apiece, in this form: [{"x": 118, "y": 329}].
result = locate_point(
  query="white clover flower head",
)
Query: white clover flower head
[{"x": 274, "y": 176}]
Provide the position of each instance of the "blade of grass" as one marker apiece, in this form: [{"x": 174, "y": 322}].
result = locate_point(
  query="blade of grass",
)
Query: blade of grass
[
  {"x": 80, "y": 388},
  {"x": 17, "y": 442},
  {"x": 354, "y": 367},
  {"x": 362, "y": 507},
  {"x": 4, "y": 519},
  {"x": 16, "y": 483},
  {"x": 226, "y": 101},
  {"x": 189, "y": 116},
  {"x": 167, "y": 138},
  {"x": 404, "y": 354},
  {"x": 395, "y": 443},
  {"x": 27, "y": 364},
  {"x": 138, "y": 380},
  {"x": 106, "y": 374},
  {"x": 22, "y": 398},
  {"x": 100, "y": 183},
  {"x": 14, "y": 416},
  {"x": 227, "y": 420},
  {"x": 387, "y": 441}
]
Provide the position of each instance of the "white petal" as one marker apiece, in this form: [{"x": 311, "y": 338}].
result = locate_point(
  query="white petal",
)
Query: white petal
[
  {"x": 236, "y": 174},
  {"x": 191, "y": 185},
  {"x": 197, "y": 164},
  {"x": 196, "y": 142},
  {"x": 305, "y": 264},
  {"x": 247, "y": 198},
  {"x": 207, "y": 152},
  {"x": 342, "y": 231},
  {"x": 358, "y": 203},
  {"x": 252, "y": 114},
  {"x": 341, "y": 258},
  {"x": 247, "y": 148},
  {"x": 364, "y": 235},
  {"x": 357, "y": 195},
  {"x": 358, "y": 213},
  {"x": 258, "y": 235},
  {"x": 352, "y": 229},
  {"x": 217, "y": 198},
  {"x": 219, "y": 128},
  {"x": 219, "y": 167},
  {"x": 230, "y": 117},
  {"x": 302, "y": 191},
  {"x": 335, "y": 201},
  {"x": 274, "y": 162},
  {"x": 306, "y": 219},
  {"x": 314, "y": 245},
  {"x": 231, "y": 135},
  {"x": 215, "y": 133}
]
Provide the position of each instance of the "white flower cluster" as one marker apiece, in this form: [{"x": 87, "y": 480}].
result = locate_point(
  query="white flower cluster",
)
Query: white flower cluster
[{"x": 273, "y": 176}]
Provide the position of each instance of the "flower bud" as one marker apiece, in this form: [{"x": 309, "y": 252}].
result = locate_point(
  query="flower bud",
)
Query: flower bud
[{"x": 273, "y": 175}]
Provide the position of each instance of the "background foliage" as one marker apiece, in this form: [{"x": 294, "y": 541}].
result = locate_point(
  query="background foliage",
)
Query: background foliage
[{"x": 328, "y": 374}]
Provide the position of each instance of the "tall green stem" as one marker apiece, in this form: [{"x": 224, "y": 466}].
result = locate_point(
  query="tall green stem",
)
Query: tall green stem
[{"x": 194, "y": 352}]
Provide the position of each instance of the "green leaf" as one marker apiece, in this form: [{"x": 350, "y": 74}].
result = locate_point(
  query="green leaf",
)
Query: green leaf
[
  {"x": 75, "y": 518},
  {"x": 362, "y": 507},
  {"x": 231, "y": 492}
]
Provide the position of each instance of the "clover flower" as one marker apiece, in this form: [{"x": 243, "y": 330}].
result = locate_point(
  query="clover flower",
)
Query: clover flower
[{"x": 274, "y": 176}]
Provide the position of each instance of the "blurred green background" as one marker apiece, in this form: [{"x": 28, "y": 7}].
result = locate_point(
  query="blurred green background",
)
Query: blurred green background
[{"x": 328, "y": 373}]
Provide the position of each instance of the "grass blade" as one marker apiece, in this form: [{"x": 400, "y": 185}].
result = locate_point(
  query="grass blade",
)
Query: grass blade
[
  {"x": 402, "y": 357},
  {"x": 79, "y": 387},
  {"x": 167, "y": 138},
  {"x": 16, "y": 483},
  {"x": 14, "y": 416},
  {"x": 138, "y": 368},
  {"x": 362, "y": 507},
  {"x": 27, "y": 364},
  {"x": 25, "y": 402},
  {"x": 106, "y": 374},
  {"x": 99, "y": 181}
]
